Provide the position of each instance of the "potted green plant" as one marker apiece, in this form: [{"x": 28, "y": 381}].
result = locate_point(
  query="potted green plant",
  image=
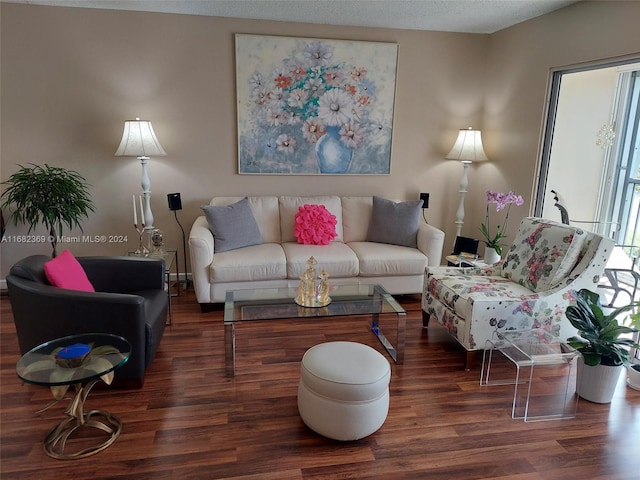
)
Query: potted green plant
[
  {"x": 53, "y": 196},
  {"x": 601, "y": 342}
]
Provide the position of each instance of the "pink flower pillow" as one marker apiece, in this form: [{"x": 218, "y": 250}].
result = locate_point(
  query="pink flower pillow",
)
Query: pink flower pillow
[
  {"x": 315, "y": 225},
  {"x": 65, "y": 271}
]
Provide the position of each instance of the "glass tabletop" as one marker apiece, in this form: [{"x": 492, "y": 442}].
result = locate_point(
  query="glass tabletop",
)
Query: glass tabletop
[
  {"x": 73, "y": 359},
  {"x": 273, "y": 303}
]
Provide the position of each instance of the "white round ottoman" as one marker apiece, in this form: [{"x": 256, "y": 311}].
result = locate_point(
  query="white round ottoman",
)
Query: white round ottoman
[{"x": 344, "y": 390}]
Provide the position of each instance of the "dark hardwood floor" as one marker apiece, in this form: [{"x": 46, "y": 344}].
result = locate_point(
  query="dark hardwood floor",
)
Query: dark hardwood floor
[{"x": 191, "y": 422}]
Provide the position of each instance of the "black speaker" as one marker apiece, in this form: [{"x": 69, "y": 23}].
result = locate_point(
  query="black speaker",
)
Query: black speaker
[
  {"x": 174, "y": 201},
  {"x": 466, "y": 245}
]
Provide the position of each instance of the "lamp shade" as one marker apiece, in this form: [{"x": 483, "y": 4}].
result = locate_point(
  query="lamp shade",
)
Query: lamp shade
[
  {"x": 139, "y": 140},
  {"x": 468, "y": 147}
]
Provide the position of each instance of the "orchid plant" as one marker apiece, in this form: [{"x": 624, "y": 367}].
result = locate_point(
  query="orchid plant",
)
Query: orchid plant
[{"x": 501, "y": 200}]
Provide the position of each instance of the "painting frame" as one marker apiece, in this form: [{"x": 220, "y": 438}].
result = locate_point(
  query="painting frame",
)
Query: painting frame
[{"x": 309, "y": 106}]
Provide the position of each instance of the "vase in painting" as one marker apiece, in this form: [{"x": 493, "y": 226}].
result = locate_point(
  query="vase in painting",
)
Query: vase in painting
[{"x": 333, "y": 156}]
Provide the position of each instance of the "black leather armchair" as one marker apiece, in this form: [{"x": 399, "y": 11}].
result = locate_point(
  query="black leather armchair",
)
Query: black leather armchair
[{"x": 130, "y": 301}]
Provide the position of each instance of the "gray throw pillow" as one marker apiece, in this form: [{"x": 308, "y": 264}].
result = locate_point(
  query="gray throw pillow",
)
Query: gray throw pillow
[
  {"x": 233, "y": 226},
  {"x": 394, "y": 222}
]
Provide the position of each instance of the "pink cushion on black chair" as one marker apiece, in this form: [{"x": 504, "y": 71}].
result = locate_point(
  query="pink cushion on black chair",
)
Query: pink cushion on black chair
[{"x": 65, "y": 271}]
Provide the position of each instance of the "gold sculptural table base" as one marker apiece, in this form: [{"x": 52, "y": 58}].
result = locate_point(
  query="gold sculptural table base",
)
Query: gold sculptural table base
[{"x": 70, "y": 429}]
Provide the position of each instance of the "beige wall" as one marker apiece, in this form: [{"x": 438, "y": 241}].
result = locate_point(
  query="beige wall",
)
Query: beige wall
[
  {"x": 70, "y": 77},
  {"x": 521, "y": 59}
]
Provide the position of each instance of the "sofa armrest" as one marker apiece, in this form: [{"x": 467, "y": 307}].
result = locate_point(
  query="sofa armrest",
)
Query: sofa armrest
[
  {"x": 431, "y": 243},
  {"x": 201, "y": 254}
]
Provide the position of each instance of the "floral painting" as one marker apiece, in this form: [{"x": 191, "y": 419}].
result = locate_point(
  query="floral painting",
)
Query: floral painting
[{"x": 311, "y": 106}]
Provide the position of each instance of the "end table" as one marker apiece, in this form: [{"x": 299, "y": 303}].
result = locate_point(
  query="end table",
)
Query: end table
[
  {"x": 170, "y": 258},
  {"x": 81, "y": 361},
  {"x": 529, "y": 350}
]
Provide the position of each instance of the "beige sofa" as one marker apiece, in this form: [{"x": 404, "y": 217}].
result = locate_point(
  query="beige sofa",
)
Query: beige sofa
[{"x": 279, "y": 260}]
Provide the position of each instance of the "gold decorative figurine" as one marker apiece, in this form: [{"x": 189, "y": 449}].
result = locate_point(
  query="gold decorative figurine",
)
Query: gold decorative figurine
[{"x": 313, "y": 291}]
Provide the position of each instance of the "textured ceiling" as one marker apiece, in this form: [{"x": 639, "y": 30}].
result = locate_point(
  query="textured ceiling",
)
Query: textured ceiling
[{"x": 471, "y": 16}]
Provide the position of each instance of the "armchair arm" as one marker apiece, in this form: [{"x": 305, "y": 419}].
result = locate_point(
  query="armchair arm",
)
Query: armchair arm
[
  {"x": 431, "y": 243},
  {"x": 201, "y": 253},
  {"x": 124, "y": 274},
  {"x": 492, "y": 271}
]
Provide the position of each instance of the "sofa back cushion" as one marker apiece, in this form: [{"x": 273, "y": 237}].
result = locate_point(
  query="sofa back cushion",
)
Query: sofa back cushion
[
  {"x": 265, "y": 212},
  {"x": 289, "y": 208},
  {"x": 233, "y": 226},
  {"x": 395, "y": 223},
  {"x": 543, "y": 253},
  {"x": 356, "y": 214}
]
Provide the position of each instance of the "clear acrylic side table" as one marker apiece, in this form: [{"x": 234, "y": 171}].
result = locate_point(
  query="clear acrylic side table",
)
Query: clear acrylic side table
[{"x": 530, "y": 351}]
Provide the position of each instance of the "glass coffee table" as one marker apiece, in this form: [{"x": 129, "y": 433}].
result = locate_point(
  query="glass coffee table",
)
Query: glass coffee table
[
  {"x": 81, "y": 361},
  {"x": 278, "y": 303}
]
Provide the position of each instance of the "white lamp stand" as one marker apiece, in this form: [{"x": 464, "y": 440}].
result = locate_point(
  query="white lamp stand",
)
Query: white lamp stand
[{"x": 464, "y": 183}]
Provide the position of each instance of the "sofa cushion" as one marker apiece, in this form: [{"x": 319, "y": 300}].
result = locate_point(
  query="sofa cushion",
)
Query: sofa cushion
[
  {"x": 253, "y": 263},
  {"x": 394, "y": 222},
  {"x": 356, "y": 214},
  {"x": 233, "y": 226},
  {"x": 314, "y": 225},
  {"x": 541, "y": 257},
  {"x": 65, "y": 271},
  {"x": 289, "y": 207},
  {"x": 381, "y": 259},
  {"x": 336, "y": 258}
]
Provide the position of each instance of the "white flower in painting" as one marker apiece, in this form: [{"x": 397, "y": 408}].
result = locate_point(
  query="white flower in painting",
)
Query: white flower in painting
[
  {"x": 380, "y": 130},
  {"x": 259, "y": 95},
  {"x": 358, "y": 73},
  {"x": 286, "y": 143},
  {"x": 275, "y": 117},
  {"x": 352, "y": 134},
  {"x": 297, "y": 98},
  {"x": 317, "y": 53},
  {"x": 298, "y": 71},
  {"x": 333, "y": 77},
  {"x": 294, "y": 118},
  {"x": 256, "y": 81},
  {"x": 276, "y": 98},
  {"x": 312, "y": 130},
  {"x": 314, "y": 86},
  {"x": 335, "y": 107}
]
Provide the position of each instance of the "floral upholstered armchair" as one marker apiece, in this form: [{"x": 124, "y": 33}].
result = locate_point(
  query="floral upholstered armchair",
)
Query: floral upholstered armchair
[{"x": 544, "y": 268}]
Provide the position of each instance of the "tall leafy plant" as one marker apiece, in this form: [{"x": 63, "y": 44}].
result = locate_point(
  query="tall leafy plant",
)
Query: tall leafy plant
[
  {"x": 53, "y": 196},
  {"x": 601, "y": 340}
]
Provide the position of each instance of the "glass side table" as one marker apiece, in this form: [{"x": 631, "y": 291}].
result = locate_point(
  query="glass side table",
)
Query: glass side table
[
  {"x": 81, "y": 361},
  {"x": 530, "y": 350},
  {"x": 170, "y": 257},
  {"x": 466, "y": 261}
]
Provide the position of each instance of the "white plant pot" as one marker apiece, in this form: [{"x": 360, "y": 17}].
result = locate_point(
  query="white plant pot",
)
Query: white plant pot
[
  {"x": 491, "y": 256},
  {"x": 633, "y": 376},
  {"x": 597, "y": 384}
]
